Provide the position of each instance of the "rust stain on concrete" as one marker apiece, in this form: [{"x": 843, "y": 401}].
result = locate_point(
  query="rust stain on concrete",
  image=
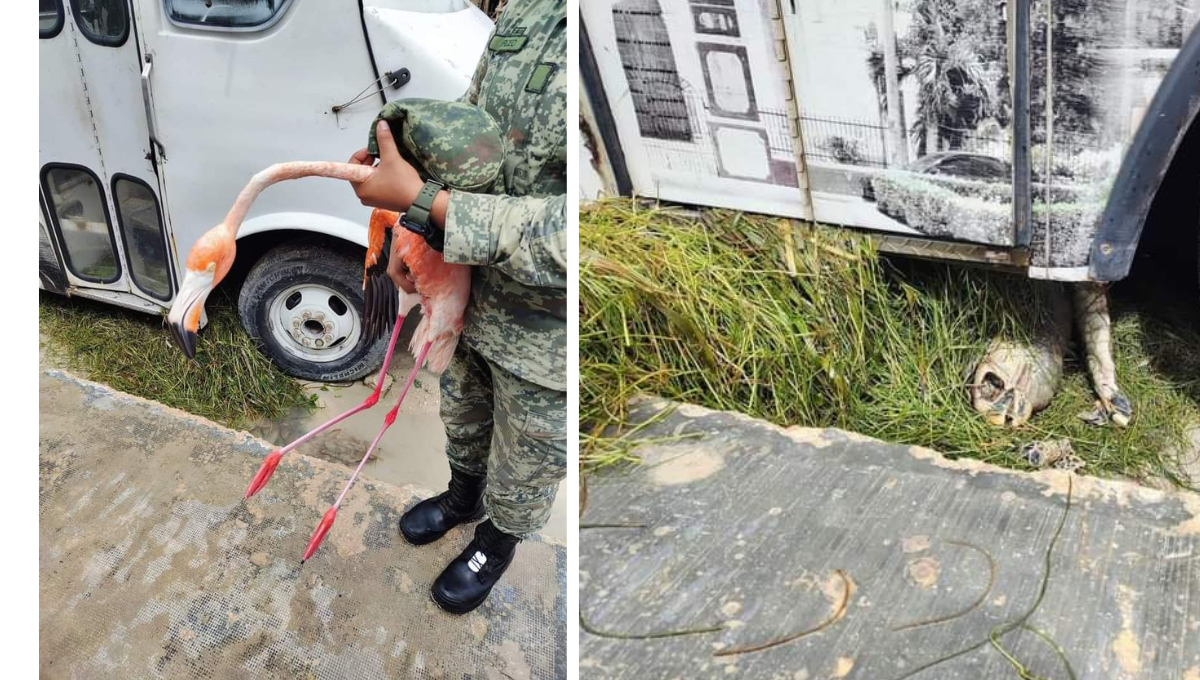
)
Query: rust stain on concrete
[
  {"x": 687, "y": 467},
  {"x": 1126, "y": 648},
  {"x": 924, "y": 572}
]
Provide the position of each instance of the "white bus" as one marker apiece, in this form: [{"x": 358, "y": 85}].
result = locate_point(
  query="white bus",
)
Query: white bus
[
  {"x": 154, "y": 114},
  {"x": 1032, "y": 135}
]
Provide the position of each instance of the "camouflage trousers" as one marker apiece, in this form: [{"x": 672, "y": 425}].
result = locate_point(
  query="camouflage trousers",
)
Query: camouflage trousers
[{"x": 509, "y": 429}]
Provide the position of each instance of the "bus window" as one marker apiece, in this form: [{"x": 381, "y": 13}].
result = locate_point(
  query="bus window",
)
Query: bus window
[
  {"x": 81, "y": 217},
  {"x": 104, "y": 22},
  {"x": 217, "y": 14},
  {"x": 50, "y": 18},
  {"x": 141, "y": 231}
]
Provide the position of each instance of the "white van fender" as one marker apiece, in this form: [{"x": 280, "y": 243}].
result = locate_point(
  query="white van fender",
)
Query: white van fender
[{"x": 319, "y": 223}]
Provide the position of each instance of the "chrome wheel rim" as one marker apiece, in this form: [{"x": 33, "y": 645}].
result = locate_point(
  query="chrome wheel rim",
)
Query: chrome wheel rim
[{"x": 314, "y": 323}]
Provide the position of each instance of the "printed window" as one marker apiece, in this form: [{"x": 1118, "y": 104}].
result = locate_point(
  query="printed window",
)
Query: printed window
[
  {"x": 81, "y": 218},
  {"x": 727, "y": 78},
  {"x": 142, "y": 233},
  {"x": 104, "y": 22},
  {"x": 229, "y": 15},
  {"x": 645, "y": 48},
  {"x": 50, "y": 18},
  {"x": 715, "y": 21}
]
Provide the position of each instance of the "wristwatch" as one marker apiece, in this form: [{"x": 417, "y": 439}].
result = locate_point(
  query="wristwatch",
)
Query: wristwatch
[{"x": 416, "y": 218}]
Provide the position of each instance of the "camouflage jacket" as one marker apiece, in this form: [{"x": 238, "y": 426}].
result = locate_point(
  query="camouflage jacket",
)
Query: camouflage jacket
[{"x": 517, "y": 235}]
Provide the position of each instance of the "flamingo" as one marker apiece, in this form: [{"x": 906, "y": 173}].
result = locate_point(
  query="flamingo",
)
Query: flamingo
[{"x": 442, "y": 292}]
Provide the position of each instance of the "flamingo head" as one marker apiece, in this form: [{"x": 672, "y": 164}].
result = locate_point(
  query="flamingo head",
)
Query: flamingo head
[{"x": 208, "y": 262}]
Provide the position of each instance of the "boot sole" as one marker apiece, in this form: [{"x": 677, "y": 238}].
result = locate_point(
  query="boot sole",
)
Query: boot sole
[{"x": 427, "y": 541}]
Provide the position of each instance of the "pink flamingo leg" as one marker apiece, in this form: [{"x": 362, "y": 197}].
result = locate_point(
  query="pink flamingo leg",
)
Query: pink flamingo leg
[
  {"x": 331, "y": 514},
  {"x": 272, "y": 461}
]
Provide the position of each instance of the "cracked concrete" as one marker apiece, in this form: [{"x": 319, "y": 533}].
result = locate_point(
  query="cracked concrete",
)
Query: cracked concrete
[
  {"x": 153, "y": 567},
  {"x": 748, "y": 526}
]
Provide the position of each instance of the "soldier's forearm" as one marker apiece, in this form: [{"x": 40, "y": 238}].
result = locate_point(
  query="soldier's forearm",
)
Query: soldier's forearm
[
  {"x": 523, "y": 237},
  {"x": 437, "y": 213}
]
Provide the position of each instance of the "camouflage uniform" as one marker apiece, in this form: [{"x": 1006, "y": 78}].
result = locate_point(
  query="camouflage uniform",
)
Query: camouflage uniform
[{"x": 503, "y": 397}]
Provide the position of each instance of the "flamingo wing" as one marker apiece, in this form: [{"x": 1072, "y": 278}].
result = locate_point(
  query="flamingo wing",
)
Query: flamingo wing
[{"x": 381, "y": 301}]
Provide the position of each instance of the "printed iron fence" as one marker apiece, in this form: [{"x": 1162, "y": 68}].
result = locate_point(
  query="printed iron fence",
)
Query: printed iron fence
[
  {"x": 970, "y": 141},
  {"x": 845, "y": 142}
]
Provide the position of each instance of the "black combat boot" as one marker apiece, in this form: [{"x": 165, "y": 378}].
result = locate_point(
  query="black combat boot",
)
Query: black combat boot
[
  {"x": 430, "y": 519},
  {"x": 466, "y": 582}
]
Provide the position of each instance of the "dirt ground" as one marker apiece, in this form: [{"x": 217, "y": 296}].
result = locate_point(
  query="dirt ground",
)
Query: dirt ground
[
  {"x": 153, "y": 566},
  {"x": 412, "y": 451}
]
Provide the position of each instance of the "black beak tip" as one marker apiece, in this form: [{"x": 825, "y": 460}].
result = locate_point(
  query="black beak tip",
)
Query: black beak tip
[{"x": 184, "y": 339}]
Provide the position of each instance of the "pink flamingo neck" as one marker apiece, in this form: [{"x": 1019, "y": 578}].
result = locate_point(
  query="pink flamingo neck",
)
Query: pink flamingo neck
[{"x": 285, "y": 171}]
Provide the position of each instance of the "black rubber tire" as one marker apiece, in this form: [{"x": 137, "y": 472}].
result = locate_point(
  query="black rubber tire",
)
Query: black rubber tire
[{"x": 288, "y": 265}]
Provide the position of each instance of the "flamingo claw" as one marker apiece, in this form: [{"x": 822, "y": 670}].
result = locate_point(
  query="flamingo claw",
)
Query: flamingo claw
[
  {"x": 319, "y": 534},
  {"x": 264, "y": 473}
]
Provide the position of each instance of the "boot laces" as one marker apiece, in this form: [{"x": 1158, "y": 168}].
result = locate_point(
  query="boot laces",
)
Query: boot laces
[
  {"x": 490, "y": 545},
  {"x": 458, "y": 498}
]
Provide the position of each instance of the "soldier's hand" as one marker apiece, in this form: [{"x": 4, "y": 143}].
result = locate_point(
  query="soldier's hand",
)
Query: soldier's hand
[
  {"x": 398, "y": 270},
  {"x": 395, "y": 183}
]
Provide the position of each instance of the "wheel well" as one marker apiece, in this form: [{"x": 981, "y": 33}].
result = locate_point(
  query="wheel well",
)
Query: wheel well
[
  {"x": 251, "y": 248},
  {"x": 1170, "y": 231},
  {"x": 1153, "y": 153}
]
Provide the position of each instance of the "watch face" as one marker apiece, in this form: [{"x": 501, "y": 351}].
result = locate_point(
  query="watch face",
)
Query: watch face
[{"x": 419, "y": 229}]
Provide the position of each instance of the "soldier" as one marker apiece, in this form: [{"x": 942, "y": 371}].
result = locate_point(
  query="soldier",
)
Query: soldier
[{"x": 504, "y": 395}]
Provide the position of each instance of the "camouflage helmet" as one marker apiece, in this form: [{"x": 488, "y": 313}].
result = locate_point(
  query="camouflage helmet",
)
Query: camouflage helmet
[{"x": 454, "y": 143}]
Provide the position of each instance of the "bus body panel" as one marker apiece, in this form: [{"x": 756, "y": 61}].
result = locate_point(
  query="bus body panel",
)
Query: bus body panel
[
  {"x": 438, "y": 41},
  {"x": 226, "y": 104},
  {"x": 68, "y": 137},
  {"x": 705, "y": 118},
  {"x": 940, "y": 167}
]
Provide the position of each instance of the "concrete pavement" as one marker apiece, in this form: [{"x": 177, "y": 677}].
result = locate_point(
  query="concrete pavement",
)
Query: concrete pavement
[
  {"x": 152, "y": 566},
  {"x": 740, "y": 549}
]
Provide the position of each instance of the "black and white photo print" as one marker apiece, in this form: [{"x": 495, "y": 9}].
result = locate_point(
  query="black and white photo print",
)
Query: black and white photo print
[{"x": 900, "y": 116}]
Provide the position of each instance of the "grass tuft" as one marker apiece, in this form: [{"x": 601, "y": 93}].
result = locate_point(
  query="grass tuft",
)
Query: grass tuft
[
  {"x": 230, "y": 381},
  {"x": 809, "y": 326}
]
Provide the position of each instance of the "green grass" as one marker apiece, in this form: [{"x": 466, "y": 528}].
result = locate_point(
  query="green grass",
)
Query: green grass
[
  {"x": 714, "y": 310},
  {"x": 229, "y": 381}
]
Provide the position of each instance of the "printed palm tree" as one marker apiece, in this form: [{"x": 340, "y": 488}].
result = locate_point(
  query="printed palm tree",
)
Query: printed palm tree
[
  {"x": 955, "y": 51},
  {"x": 956, "y": 89}
]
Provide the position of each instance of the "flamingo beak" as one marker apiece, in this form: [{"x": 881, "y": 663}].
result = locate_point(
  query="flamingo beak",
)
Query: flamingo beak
[
  {"x": 184, "y": 317},
  {"x": 184, "y": 339}
]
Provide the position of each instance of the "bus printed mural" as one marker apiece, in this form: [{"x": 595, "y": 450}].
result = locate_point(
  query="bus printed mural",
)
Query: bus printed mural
[
  {"x": 903, "y": 109},
  {"x": 925, "y": 135},
  {"x": 704, "y": 91}
]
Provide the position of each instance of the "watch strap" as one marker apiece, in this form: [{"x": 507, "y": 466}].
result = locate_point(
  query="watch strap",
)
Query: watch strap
[{"x": 422, "y": 205}]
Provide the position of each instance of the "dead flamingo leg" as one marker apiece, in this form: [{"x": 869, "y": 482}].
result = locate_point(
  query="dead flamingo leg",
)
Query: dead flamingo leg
[
  {"x": 272, "y": 461},
  {"x": 331, "y": 514}
]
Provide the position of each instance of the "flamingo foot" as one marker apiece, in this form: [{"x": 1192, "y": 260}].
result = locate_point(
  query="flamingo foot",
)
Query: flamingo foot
[
  {"x": 264, "y": 473},
  {"x": 319, "y": 534},
  {"x": 272, "y": 461}
]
